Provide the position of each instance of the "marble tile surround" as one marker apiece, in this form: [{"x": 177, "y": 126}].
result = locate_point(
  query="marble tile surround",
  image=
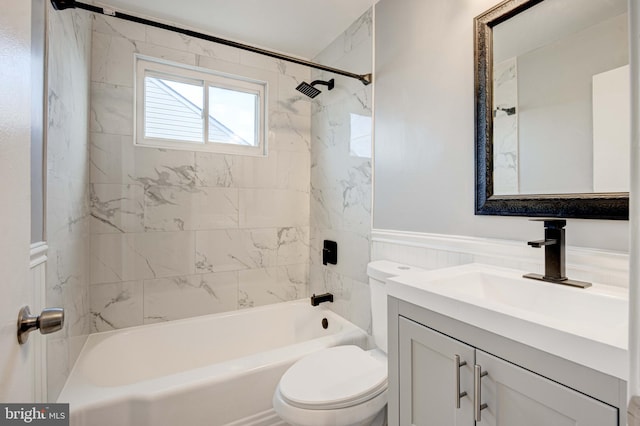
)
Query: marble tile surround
[
  {"x": 505, "y": 129},
  {"x": 179, "y": 233},
  {"x": 67, "y": 207},
  {"x": 341, "y": 181}
]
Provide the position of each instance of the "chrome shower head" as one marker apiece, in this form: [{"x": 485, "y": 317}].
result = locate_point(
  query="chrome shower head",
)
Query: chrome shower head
[{"x": 311, "y": 91}]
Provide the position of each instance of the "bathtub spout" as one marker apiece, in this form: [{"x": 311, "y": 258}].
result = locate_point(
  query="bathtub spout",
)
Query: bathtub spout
[{"x": 321, "y": 298}]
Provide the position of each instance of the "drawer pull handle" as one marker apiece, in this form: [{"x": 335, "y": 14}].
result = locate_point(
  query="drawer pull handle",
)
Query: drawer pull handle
[
  {"x": 478, "y": 374},
  {"x": 458, "y": 364}
]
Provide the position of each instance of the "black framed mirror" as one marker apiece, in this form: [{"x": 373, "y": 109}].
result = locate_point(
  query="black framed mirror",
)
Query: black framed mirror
[{"x": 549, "y": 109}]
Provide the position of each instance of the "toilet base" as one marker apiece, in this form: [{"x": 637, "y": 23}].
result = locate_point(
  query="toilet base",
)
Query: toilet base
[
  {"x": 349, "y": 416},
  {"x": 381, "y": 418}
]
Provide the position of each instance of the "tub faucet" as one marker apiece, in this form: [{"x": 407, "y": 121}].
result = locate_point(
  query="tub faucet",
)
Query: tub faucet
[
  {"x": 554, "y": 254},
  {"x": 316, "y": 300}
]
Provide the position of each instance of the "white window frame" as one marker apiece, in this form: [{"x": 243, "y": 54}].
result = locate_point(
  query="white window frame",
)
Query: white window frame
[{"x": 146, "y": 65}]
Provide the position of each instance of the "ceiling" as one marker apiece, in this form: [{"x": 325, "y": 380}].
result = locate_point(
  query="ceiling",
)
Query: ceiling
[{"x": 297, "y": 27}]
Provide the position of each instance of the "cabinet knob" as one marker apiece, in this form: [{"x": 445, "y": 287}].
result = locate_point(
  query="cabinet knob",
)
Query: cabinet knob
[{"x": 478, "y": 406}]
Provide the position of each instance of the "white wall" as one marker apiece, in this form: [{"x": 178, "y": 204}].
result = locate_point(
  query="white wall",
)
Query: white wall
[
  {"x": 67, "y": 219},
  {"x": 15, "y": 82},
  {"x": 341, "y": 173},
  {"x": 424, "y": 129},
  {"x": 176, "y": 234}
]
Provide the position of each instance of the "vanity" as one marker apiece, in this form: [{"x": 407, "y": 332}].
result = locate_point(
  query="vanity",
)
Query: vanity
[{"x": 478, "y": 344}]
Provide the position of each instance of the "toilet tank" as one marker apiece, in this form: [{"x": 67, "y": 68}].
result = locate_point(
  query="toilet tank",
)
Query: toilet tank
[{"x": 378, "y": 272}]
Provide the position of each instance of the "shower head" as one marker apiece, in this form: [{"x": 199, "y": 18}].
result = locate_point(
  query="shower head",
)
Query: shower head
[{"x": 311, "y": 91}]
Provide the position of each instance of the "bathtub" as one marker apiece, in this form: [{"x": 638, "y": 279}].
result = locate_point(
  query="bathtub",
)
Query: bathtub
[{"x": 219, "y": 369}]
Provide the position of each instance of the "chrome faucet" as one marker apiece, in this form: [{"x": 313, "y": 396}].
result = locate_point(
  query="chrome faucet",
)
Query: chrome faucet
[{"x": 554, "y": 254}]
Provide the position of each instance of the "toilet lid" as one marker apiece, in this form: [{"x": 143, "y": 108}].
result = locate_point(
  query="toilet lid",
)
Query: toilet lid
[{"x": 337, "y": 377}]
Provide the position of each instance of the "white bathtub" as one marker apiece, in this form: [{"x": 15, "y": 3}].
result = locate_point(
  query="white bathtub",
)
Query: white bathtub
[{"x": 211, "y": 370}]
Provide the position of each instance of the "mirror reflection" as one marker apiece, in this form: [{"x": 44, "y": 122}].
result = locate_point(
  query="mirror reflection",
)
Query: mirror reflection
[{"x": 561, "y": 114}]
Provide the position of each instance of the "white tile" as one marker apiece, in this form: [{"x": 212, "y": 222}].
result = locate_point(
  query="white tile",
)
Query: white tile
[
  {"x": 58, "y": 367},
  {"x": 116, "y": 208},
  {"x": 76, "y": 306},
  {"x": 173, "y": 298},
  {"x": 294, "y": 170},
  {"x": 116, "y": 305},
  {"x": 360, "y": 307},
  {"x": 118, "y": 27},
  {"x": 162, "y": 52},
  {"x": 67, "y": 195},
  {"x": 263, "y": 62},
  {"x": 112, "y": 60},
  {"x": 289, "y": 99},
  {"x": 233, "y": 250},
  {"x": 273, "y": 208},
  {"x": 128, "y": 257},
  {"x": 162, "y": 167},
  {"x": 293, "y": 245},
  {"x": 67, "y": 267},
  {"x": 68, "y": 209},
  {"x": 159, "y": 37},
  {"x": 171, "y": 208},
  {"x": 111, "y": 109},
  {"x": 216, "y": 208},
  {"x": 340, "y": 286},
  {"x": 259, "y": 172},
  {"x": 259, "y": 287},
  {"x": 289, "y": 132},
  {"x": 324, "y": 208},
  {"x": 218, "y": 169},
  {"x": 112, "y": 159}
]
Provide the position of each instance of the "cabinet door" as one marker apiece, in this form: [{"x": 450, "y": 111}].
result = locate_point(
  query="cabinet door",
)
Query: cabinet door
[
  {"x": 428, "y": 377},
  {"x": 518, "y": 397}
]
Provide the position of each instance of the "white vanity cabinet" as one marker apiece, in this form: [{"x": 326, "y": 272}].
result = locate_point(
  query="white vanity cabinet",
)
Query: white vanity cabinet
[
  {"x": 515, "y": 396},
  {"x": 433, "y": 358},
  {"x": 427, "y": 379}
]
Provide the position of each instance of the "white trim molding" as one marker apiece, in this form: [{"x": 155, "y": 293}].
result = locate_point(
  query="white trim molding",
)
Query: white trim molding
[
  {"x": 432, "y": 251},
  {"x": 38, "y": 268},
  {"x": 38, "y": 254}
]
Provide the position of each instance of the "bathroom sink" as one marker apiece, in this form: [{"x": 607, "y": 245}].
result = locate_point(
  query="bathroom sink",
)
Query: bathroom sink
[{"x": 575, "y": 323}]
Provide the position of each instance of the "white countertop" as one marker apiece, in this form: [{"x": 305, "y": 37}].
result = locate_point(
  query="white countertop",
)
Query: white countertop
[{"x": 587, "y": 326}]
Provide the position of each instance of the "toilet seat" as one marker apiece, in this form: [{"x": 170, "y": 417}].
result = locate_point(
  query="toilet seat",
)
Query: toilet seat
[{"x": 334, "y": 378}]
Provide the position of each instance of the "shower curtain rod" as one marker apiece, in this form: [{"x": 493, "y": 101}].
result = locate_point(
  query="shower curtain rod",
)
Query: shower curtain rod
[{"x": 70, "y": 4}]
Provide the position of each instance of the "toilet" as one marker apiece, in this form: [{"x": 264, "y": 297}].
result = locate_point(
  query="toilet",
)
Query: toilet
[{"x": 343, "y": 385}]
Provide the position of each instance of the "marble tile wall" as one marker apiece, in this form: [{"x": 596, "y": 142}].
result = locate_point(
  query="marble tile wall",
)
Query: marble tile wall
[
  {"x": 505, "y": 128},
  {"x": 178, "y": 233},
  {"x": 67, "y": 207},
  {"x": 341, "y": 174}
]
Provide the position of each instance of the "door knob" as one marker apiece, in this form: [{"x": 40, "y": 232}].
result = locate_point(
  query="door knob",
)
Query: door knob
[{"x": 49, "y": 321}]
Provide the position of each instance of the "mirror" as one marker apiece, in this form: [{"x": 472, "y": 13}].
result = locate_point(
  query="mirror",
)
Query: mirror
[{"x": 553, "y": 109}]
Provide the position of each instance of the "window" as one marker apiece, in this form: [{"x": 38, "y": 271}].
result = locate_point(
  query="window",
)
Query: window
[{"x": 184, "y": 107}]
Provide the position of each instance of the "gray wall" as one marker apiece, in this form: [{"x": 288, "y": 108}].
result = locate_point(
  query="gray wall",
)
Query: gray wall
[
  {"x": 424, "y": 129},
  {"x": 555, "y": 116}
]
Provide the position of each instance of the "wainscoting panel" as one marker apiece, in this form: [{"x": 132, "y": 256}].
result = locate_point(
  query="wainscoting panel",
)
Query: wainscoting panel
[{"x": 432, "y": 251}]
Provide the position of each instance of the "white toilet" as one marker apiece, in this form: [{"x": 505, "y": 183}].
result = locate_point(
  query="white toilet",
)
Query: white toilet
[{"x": 342, "y": 385}]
